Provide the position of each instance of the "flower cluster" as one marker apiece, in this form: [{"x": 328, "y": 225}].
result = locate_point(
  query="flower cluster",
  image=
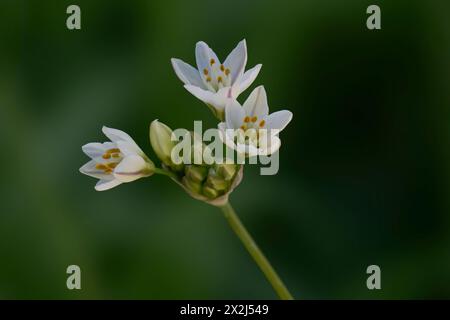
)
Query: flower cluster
[
  {"x": 251, "y": 129},
  {"x": 248, "y": 129}
]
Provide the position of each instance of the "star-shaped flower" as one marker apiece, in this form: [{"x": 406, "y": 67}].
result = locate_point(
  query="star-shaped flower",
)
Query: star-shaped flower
[
  {"x": 212, "y": 80},
  {"x": 250, "y": 129},
  {"x": 117, "y": 161}
]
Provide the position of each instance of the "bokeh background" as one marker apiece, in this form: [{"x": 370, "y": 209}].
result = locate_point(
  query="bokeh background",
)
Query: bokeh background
[{"x": 365, "y": 163}]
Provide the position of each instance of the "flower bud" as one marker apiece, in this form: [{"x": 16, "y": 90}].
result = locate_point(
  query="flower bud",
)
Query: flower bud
[
  {"x": 193, "y": 186},
  {"x": 214, "y": 189},
  {"x": 217, "y": 183},
  {"x": 196, "y": 173},
  {"x": 210, "y": 192},
  {"x": 226, "y": 171},
  {"x": 160, "y": 139}
]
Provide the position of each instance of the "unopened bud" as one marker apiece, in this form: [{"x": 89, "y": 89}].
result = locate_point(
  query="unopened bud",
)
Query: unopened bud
[
  {"x": 226, "y": 171},
  {"x": 193, "y": 186},
  {"x": 210, "y": 192},
  {"x": 160, "y": 138},
  {"x": 196, "y": 173},
  {"x": 217, "y": 183}
]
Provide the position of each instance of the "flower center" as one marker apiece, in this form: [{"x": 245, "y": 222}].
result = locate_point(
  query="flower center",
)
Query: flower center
[
  {"x": 112, "y": 157},
  {"x": 216, "y": 76},
  {"x": 252, "y": 131},
  {"x": 252, "y": 123}
]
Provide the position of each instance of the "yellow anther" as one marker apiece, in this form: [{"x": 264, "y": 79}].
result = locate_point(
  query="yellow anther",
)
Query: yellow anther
[
  {"x": 106, "y": 156},
  {"x": 219, "y": 79},
  {"x": 222, "y": 68},
  {"x": 116, "y": 155},
  {"x": 114, "y": 150},
  {"x": 205, "y": 71},
  {"x": 244, "y": 127},
  {"x": 208, "y": 79},
  {"x": 247, "y": 119},
  {"x": 212, "y": 61},
  {"x": 108, "y": 170},
  {"x": 254, "y": 119},
  {"x": 262, "y": 123},
  {"x": 227, "y": 71},
  {"x": 100, "y": 166}
]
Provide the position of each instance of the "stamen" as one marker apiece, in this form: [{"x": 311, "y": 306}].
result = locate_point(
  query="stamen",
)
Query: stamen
[
  {"x": 262, "y": 123},
  {"x": 254, "y": 119},
  {"x": 227, "y": 71},
  {"x": 212, "y": 61},
  {"x": 222, "y": 68},
  {"x": 112, "y": 165},
  {"x": 208, "y": 79},
  {"x": 219, "y": 79},
  {"x": 106, "y": 156},
  {"x": 205, "y": 71},
  {"x": 247, "y": 119},
  {"x": 100, "y": 166},
  {"x": 114, "y": 150},
  {"x": 244, "y": 127},
  {"x": 108, "y": 171},
  {"x": 116, "y": 155}
]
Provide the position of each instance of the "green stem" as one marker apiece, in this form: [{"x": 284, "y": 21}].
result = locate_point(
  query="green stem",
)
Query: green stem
[
  {"x": 255, "y": 252},
  {"x": 165, "y": 173}
]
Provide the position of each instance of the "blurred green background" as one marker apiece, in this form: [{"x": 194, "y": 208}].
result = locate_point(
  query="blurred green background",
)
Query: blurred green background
[{"x": 365, "y": 163}]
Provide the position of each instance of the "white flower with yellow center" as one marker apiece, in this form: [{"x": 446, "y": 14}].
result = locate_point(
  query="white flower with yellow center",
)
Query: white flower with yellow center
[
  {"x": 211, "y": 81},
  {"x": 250, "y": 129},
  {"x": 117, "y": 161}
]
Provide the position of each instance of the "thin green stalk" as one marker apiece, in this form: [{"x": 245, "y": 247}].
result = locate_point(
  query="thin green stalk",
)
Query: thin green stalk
[
  {"x": 165, "y": 172},
  {"x": 255, "y": 252}
]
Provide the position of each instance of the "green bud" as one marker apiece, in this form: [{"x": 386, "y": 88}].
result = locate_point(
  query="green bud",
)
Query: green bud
[
  {"x": 226, "y": 171},
  {"x": 210, "y": 192},
  {"x": 160, "y": 139},
  {"x": 193, "y": 186},
  {"x": 217, "y": 183},
  {"x": 196, "y": 173}
]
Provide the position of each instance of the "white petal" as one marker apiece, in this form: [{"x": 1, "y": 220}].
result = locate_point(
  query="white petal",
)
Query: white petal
[
  {"x": 122, "y": 138},
  {"x": 234, "y": 114},
  {"x": 130, "y": 168},
  {"x": 127, "y": 148},
  {"x": 236, "y": 61},
  {"x": 248, "y": 78},
  {"x": 103, "y": 185},
  {"x": 247, "y": 149},
  {"x": 226, "y": 135},
  {"x": 217, "y": 100},
  {"x": 256, "y": 103},
  {"x": 187, "y": 73},
  {"x": 278, "y": 120},
  {"x": 272, "y": 147},
  {"x": 203, "y": 56},
  {"x": 89, "y": 169},
  {"x": 116, "y": 135},
  {"x": 93, "y": 149},
  {"x": 203, "y": 95}
]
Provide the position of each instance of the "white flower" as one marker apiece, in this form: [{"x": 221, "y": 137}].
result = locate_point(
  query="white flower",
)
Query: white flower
[
  {"x": 211, "y": 81},
  {"x": 250, "y": 129},
  {"x": 117, "y": 161}
]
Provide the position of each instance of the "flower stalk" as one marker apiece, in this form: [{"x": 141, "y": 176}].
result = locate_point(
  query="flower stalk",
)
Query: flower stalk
[{"x": 255, "y": 252}]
